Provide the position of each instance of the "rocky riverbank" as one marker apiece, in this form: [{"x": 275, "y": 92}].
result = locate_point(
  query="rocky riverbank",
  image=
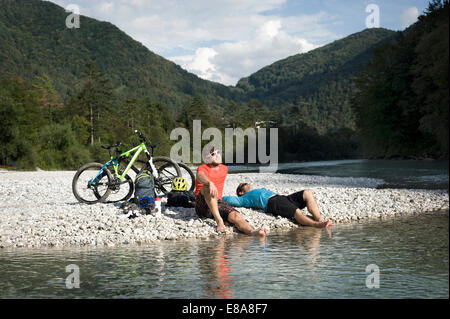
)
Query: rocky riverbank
[{"x": 38, "y": 209}]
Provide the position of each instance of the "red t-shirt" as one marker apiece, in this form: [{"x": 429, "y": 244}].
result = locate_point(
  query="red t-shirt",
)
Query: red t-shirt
[{"x": 215, "y": 175}]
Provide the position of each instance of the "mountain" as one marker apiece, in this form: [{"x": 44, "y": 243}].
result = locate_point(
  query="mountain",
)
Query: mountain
[
  {"x": 315, "y": 86},
  {"x": 64, "y": 91},
  {"x": 34, "y": 40}
]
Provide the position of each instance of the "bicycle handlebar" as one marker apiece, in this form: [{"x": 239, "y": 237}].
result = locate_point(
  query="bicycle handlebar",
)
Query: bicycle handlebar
[
  {"x": 146, "y": 141},
  {"x": 142, "y": 137}
]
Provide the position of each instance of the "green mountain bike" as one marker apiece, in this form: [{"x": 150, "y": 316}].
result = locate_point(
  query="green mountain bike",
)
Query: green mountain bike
[{"x": 110, "y": 182}]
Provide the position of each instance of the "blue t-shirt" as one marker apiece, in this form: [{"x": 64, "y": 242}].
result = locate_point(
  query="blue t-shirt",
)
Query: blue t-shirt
[{"x": 256, "y": 198}]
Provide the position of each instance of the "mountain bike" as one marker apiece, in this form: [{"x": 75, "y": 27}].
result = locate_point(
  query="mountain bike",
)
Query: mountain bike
[
  {"x": 95, "y": 182},
  {"x": 186, "y": 173}
]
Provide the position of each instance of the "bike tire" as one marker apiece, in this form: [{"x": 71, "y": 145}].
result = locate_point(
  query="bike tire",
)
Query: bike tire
[
  {"x": 81, "y": 188},
  {"x": 167, "y": 171},
  {"x": 113, "y": 198},
  {"x": 187, "y": 173}
]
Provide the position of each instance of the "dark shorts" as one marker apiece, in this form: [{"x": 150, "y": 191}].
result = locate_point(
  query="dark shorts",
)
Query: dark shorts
[
  {"x": 202, "y": 208},
  {"x": 285, "y": 206}
]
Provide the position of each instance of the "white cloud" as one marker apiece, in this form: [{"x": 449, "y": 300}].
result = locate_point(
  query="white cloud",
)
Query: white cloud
[
  {"x": 200, "y": 62},
  {"x": 409, "y": 16},
  {"x": 163, "y": 25},
  {"x": 106, "y": 7},
  {"x": 219, "y": 40},
  {"x": 229, "y": 61}
]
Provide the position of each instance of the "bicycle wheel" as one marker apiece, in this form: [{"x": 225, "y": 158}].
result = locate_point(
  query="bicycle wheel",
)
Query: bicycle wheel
[
  {"x": 87, "y": 192},
  {"x": 187, "y": 173},
  {"x": 120, "y": 190},
  {"x": 167, "y": 171}
]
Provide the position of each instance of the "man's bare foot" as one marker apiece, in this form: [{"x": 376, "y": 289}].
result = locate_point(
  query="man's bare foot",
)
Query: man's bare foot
[
  {"x": 262, "y": 232},
  {"x": 323, "y": 224}
]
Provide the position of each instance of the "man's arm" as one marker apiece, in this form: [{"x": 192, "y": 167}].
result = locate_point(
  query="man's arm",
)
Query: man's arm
[
  {"x": 202, "y": 179},
  {"x": 234, "y": 201}
]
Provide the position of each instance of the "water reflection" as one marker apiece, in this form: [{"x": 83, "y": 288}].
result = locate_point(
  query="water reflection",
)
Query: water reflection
[
  {"x": 215, "y": 268},
  {"x": 222, "y": 264},
  {"x": 308, "y": 239}
]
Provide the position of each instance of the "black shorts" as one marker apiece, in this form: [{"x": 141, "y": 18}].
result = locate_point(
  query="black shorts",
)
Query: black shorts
[
  {"x": 285, "y": 206},
  {"x": 202, "y": 208}
]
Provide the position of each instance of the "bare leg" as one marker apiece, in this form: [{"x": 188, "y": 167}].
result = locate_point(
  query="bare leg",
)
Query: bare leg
[
  {"x": 238, "y": 220},
  {"x": 305, "y": 221},
  {"x": 312, "y": 206},
  {"x": 234, "y": 217},
  {"x": 211, "y": 201}
]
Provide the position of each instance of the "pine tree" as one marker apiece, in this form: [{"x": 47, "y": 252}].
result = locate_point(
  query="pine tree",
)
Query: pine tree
[{"x": 94, "y": 99}]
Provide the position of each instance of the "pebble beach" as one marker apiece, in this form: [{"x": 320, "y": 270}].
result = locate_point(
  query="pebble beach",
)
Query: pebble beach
[{"x": 38, "y": 209}]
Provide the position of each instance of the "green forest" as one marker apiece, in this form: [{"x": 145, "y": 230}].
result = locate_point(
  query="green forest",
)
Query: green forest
[
  {"x": 315, "y": 87},
  {"x": 401, "y": 99},
  {"x": 63, "y": 93}
]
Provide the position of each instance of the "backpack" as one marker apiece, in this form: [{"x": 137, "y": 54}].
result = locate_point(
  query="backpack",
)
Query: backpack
[
  {"x": 144, "y": 185},
  {"x": 180, "y": 199}
]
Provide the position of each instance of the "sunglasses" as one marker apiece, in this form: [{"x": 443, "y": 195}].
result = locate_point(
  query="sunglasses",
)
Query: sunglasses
[{"x": 216, "y": 152}]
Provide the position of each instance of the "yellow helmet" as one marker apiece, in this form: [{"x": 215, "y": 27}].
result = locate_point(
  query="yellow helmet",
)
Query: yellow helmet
[{"x": 179, "y": 184}]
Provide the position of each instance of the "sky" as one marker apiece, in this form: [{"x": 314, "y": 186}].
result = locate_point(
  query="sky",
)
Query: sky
[{"x": 226, "y": 40}]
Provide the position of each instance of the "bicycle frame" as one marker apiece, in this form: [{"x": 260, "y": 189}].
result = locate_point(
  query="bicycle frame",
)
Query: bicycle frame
[{"x": 115, "y": 163}]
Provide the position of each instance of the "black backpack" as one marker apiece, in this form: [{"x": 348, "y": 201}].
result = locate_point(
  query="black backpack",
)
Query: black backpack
[
  {"x": 144, "y": 185},
  {"x": 180, "y": 199}
]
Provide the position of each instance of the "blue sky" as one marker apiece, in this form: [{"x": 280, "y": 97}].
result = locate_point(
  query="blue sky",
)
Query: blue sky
[
  {"x": 350, "y": 14},
  {"x": 225, "y": 40}
]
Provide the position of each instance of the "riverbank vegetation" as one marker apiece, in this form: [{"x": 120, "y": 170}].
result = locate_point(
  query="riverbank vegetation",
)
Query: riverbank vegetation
[{"x": 401, "y": 101}]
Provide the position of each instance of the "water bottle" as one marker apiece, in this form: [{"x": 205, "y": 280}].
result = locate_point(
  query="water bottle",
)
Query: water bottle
[{"x": 157, "y": 206}]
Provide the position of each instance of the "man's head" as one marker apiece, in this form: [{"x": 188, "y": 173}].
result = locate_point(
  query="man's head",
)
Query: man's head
[
  {"x": 243, "y": 189},
  {"x": 213, "y": 157}
]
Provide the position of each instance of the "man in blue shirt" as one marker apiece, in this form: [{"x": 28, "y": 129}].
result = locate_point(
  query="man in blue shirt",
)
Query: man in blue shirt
[{"x": 289, "y": 206}]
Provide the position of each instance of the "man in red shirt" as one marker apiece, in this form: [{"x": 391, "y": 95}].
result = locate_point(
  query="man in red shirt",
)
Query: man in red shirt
[{"x": 208, "y": 201}]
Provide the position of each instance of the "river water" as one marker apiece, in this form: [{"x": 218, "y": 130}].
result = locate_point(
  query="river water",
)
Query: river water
[
  {"x": 402, "y": 257},
  {"x": 411, "y": 174},
  {"x": 407, "y": 257}
]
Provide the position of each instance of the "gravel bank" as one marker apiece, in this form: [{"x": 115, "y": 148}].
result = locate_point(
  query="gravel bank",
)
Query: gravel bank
[{"x": 38, "y": 209}]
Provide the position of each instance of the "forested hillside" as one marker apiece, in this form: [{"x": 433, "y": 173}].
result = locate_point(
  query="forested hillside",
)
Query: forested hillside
[
  {"x": 34, "y": 40},
  {"x": 402, "y": 97},
  {"x": 315, "y": 87}
]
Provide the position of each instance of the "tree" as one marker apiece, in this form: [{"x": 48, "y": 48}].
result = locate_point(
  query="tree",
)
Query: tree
[
  {"x": 20, "y": 120},
  {"x": 48, "y": 96},
  {"x": 401, "y": 101},
  {"x": 430, "y": 72},
  {"x": 94, "y": 98},
  {"x": 195, "y": 109}
]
